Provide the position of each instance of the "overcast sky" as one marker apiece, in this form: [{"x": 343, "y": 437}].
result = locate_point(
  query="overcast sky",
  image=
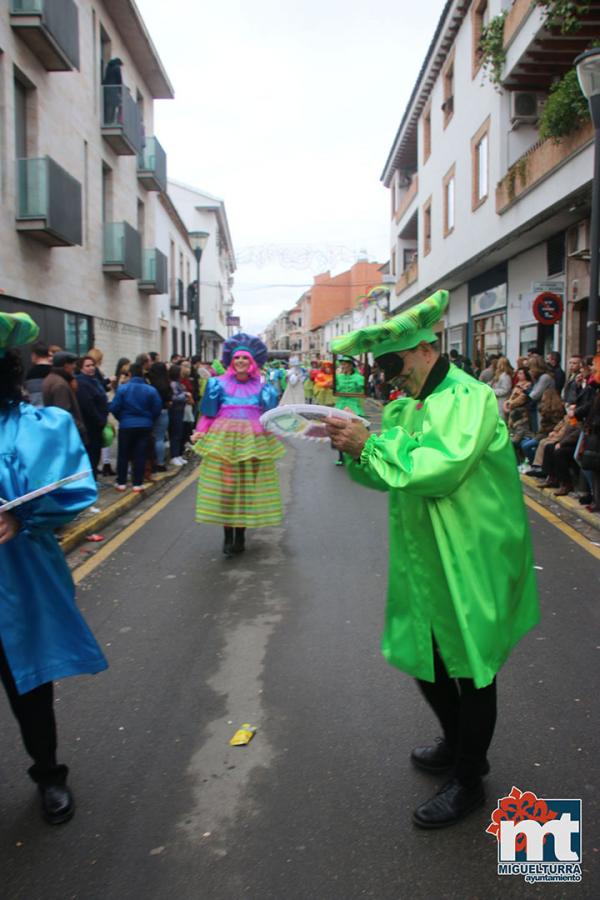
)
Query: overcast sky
[{"x": 288, "y": 111}]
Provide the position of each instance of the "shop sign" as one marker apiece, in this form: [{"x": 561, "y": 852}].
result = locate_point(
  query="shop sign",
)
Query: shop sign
[
  {"x": 548, "y": 308},
  {"x": 554, "y": 287}
]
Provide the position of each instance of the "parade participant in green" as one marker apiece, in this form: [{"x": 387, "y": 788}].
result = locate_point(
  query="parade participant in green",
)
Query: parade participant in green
[
  {"x": 461, "y": 582},
  {"x": 350, "y": 383}
]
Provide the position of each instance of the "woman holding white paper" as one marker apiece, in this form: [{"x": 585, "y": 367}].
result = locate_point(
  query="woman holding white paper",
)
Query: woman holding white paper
[{"x": 43, "y": 636}]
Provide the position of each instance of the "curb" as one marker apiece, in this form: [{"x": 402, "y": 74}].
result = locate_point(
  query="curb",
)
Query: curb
[
  {"x": 569, "y": 503},
  {"x": 75, "y": 535}
]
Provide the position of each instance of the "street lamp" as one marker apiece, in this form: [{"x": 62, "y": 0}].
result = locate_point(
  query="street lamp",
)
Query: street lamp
[
  {"x": 198, "y": 241},
  {"x": 588, "y": 73}
]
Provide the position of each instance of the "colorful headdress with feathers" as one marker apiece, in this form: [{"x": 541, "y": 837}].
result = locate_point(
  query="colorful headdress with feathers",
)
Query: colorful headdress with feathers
[
  {"x": 402, "y": 332},
  {"x": 16, "y": 329},
  {"x": 248, "y": 342}
]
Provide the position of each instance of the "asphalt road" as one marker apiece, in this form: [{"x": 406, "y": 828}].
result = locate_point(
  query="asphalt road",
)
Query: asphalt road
[{"x": 285, "y": 637}]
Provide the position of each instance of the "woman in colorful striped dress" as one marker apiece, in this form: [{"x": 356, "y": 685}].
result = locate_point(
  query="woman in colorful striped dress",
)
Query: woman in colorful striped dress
[{"x": 238, "y": 484}]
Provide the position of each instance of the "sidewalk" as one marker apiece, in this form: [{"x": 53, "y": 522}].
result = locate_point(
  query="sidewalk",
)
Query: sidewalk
[
  {"x": 111, "y": 504},
  {"x": 569, "y": 502}
]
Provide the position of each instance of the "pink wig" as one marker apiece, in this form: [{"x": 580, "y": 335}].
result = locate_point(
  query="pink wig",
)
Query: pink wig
[{"x": 253, "y": 370}]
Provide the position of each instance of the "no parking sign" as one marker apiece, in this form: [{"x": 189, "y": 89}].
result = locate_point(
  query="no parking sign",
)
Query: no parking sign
[{"x": 548, "y": 308}]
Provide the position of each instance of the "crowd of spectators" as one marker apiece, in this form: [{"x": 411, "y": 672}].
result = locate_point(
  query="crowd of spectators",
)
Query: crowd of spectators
[
  {"x": 553, "y": 416},
  {"x": 148, "y": 406}
]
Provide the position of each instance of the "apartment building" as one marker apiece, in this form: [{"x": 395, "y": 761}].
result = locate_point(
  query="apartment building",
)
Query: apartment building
[
  {"x": 479, "y": 204},
  {"x": 202, "y": 212},
  {"x": 277, "y": 333},
  {"x": 176, "y": 308},
  {"x": 366, "y": 313},
  {"x": 80, "y": 172}
]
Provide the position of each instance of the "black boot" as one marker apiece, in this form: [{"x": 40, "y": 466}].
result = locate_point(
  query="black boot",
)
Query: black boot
[
  {"x": 438, "y": 757},
  {"x": 58, "y": 804},
  {"x": 239, "y": 542},
  {"x": 228, "y": 542},
  {"x": 455, "y": 800}
]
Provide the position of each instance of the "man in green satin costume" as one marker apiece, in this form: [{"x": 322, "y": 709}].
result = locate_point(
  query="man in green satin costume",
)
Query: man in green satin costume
[{"x": 462, "y": 588}]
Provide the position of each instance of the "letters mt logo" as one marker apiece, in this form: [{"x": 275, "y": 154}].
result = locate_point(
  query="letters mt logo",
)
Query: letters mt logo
[{"x": 540, "y": 839}]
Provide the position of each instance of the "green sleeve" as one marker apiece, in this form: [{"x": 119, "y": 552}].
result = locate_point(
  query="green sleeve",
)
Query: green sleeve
[
  {"x": 364, "y": 474},
  {"x": 458, "y": 425}
]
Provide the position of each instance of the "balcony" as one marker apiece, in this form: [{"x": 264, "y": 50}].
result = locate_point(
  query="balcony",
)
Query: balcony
[
  {"x": 515, "y": 19},
  {"x": 537, "y": 55},
  {"x": 152, "y": 166},
  {"x": 121, "y": 124},
  {"x": 408, "y": 277},
  {"x": 49, "y": 202},
  {"x": 539, "y": 163},
  {"x": 154, "y": 272},
  {"x": 50, "y": 28},
  {"x": 407, "y": 198},
  {"x": 122, "y": 251}
]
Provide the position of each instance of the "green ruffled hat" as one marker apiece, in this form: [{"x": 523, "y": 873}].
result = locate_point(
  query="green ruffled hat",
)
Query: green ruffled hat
[
  {"x": 16, "y": 329},
  {"x": 403, "y": 332}
]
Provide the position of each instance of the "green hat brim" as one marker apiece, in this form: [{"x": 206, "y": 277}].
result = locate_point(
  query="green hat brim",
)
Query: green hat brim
[{"x": 406, "y": 342}]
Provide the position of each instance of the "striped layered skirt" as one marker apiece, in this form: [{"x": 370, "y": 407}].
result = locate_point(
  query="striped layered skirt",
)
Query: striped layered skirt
[{"x": 242, "y": 495}]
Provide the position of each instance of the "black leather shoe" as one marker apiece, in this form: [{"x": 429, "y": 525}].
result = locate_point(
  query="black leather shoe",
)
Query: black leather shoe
[
  {"x": 451, "y": 804},
  {"x": 436, "y": 757},
  {"x": 58, "y": 804}
]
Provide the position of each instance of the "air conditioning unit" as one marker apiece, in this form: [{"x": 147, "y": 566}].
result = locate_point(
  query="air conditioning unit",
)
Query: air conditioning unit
[
  {"x": 525, "y": 107},
  {"x": 578, "y": 241}
]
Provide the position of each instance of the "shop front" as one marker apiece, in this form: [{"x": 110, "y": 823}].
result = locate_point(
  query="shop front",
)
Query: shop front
[
  {"x": 71, "y": 331},
  {"x": 488, "y": 295}
]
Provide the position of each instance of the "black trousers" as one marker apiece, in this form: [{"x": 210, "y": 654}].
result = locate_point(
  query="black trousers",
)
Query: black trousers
[
  {"x": 34, "y": 711},
  {"x": 467, "y": 715},
  {"x": 557, "y": 463},
  {"x": 133, "y": 443}
]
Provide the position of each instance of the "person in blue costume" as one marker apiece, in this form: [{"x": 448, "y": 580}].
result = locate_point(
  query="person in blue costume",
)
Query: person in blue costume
[{"x": 43, "y": 636}]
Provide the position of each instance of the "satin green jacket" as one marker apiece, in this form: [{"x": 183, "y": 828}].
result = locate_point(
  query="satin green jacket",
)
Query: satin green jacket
[{"x": 461, "y": 564}]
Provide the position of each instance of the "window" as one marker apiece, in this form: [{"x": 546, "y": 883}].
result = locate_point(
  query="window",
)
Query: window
[
  {"x": 409, "y": 256},
  {"x": 426, "y": 134},
  {"x": 479, "y": 163},
  {"x": 448, "y": 82},
  {"x": 528, "y": 339},
  {"x": 141, "y": 219},
  {"x": 393, "y": 263},
  {"x": 20, "y": 120},
  {"x": 449, "y": 192},
  {"x": 105, "y": 51},
  {"x": 25, "y": 115},
  {"x": 77, "y": 333},
  {"x": 479, "y": 19},
  {"x": 174, "y": 340},
  {"x": 489, "y": 337},
  {"x": 173, "y": 278},
  {"x": 427, "y": 227},
  {"x": 555, "y": 254},
  {"x": 107, "y": 193}
]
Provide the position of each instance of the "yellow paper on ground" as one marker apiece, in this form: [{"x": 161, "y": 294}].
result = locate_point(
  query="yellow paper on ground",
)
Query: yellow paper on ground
[{"x": 243, "y": 735}]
